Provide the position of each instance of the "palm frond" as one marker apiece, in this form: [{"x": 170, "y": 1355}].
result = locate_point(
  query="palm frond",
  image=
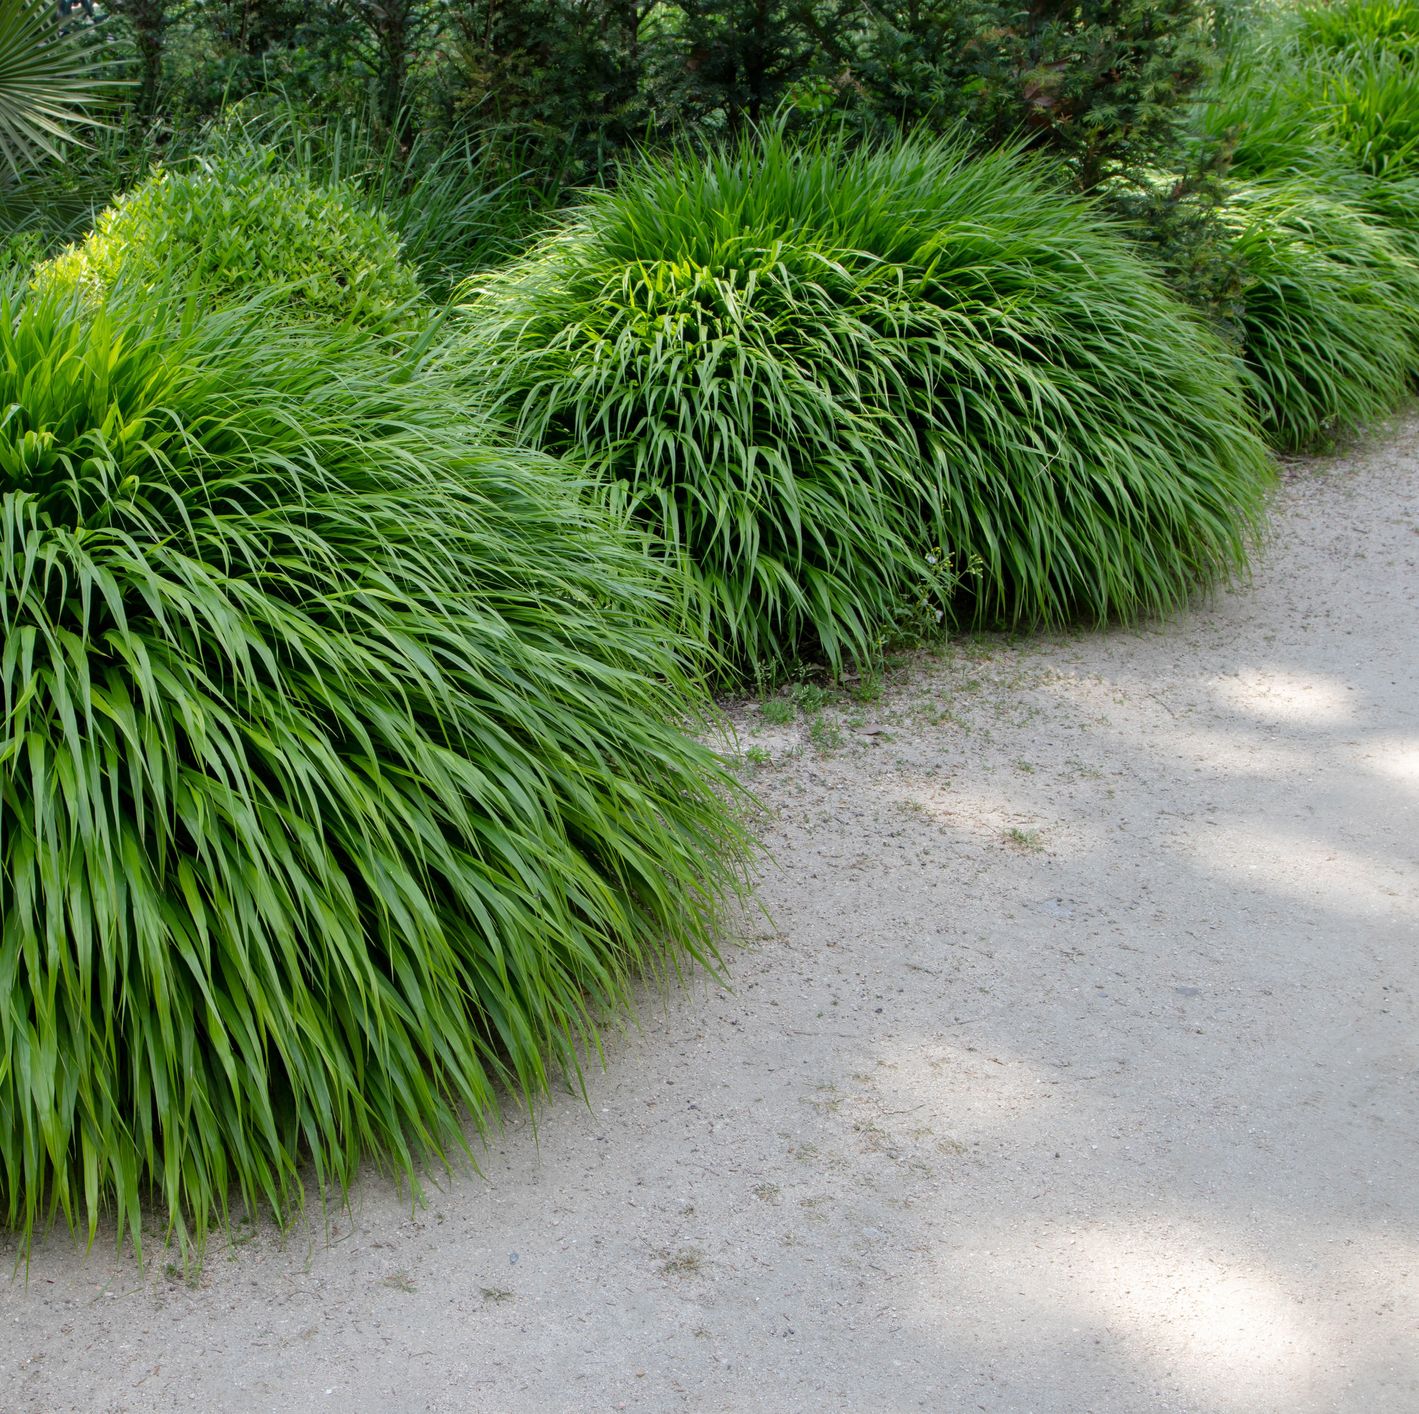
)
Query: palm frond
[{"x": 50, "y": 82}]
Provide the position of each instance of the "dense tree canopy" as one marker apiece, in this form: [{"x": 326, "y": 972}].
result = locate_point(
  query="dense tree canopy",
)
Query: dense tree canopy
[{"x": 577, "y": 81}]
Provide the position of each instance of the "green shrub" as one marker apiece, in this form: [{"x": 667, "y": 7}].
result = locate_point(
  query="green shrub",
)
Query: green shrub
[
  {"x": 21, "y": 250},
  {"x": 1321, "y": 217},
  {"x": 1104, "y": 84},
  {"x": 804, "y": 370},
  {"x": 237, "y": 226},
  {"x": 1331, "y": 311},
  {"x": 456, "y": 204},
  {"x": 342, "y": 773},
  {"x": 1174, "y": 217}
]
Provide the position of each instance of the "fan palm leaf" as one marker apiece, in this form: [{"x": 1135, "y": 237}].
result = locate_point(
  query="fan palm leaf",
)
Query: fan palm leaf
[{"x": 49, "y": 82}]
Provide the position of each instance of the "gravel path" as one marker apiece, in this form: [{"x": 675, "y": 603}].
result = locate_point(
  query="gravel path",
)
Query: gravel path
[{"x": 1072, "y": 1067}]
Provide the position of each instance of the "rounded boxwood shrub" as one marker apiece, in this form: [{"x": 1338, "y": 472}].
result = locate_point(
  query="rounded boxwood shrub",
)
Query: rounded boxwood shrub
[
  {"x": 344, "y": 775},
  {"x": 808, "y": 371},
  {"x": 238, "y": 225},
  {"x": 1330, "y": 327}
]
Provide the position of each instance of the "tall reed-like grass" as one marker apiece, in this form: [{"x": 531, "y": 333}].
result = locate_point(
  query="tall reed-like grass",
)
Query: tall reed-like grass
[
  {"x": 343, "y": 770},
  {"x": 807, "y": 370}
]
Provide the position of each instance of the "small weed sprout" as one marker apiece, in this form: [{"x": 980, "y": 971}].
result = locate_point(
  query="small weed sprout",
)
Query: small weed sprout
[
  {"x": 825, "y": 732},
  {"x": 1030, "y": 841}
]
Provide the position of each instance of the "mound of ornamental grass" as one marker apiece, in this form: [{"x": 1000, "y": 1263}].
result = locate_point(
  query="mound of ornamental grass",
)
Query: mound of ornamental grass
[
  {"x": 1358, "y": 25},
  {"x": 1331, "y": 322},
  {"x": 240, "y": 224},
  {"x": 344, "y": 776},
  {"x": 1369, "y": 101},
  {"x": 809, "y": 371},
  {"x": 1347, "y": 120},
  {"x": 1262, "y": 107}
]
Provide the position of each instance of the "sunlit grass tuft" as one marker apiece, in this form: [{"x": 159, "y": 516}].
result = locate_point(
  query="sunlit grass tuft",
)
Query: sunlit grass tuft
[
  {"x": 1347, "y": 119},
  {"x": 1346, "y": 26},
  {"x": 809, "y": 372},
  {"x": 457, "y": 204},
  {"x": 239, "y": 225}
]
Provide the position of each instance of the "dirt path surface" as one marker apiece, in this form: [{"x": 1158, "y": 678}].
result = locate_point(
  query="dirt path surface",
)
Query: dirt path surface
[{"x": 1076, "y": 1071}]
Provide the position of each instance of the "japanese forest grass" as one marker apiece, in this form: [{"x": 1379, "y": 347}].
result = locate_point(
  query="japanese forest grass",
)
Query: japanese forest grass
[
  {"x": 1352, "y": 26},
  {"x": 344, "y": 772},
  {"x": 1320, "y": 208},
  {"x": 814, "y": 375},
  {"x": 1330, "y": 322},
  {"x": 1346, "y": 120}
]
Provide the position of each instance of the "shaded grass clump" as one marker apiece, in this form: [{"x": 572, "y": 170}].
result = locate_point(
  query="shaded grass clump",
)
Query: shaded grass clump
[
  {"x": 1347, "y": 120},
  {"x": 1348, "y": 26},
  {"x": 806, "y": 371},
  {"x": 239, "y": 225},
  {"x": 1262, "y": 110},
  {"x": 457, "y": 204},
  {"x": 1331, "y": 311},
  {"x": 1369, "y": 101},
  {"x": 1319, "y": 118},
  {"x": 343, "y": 770}
]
